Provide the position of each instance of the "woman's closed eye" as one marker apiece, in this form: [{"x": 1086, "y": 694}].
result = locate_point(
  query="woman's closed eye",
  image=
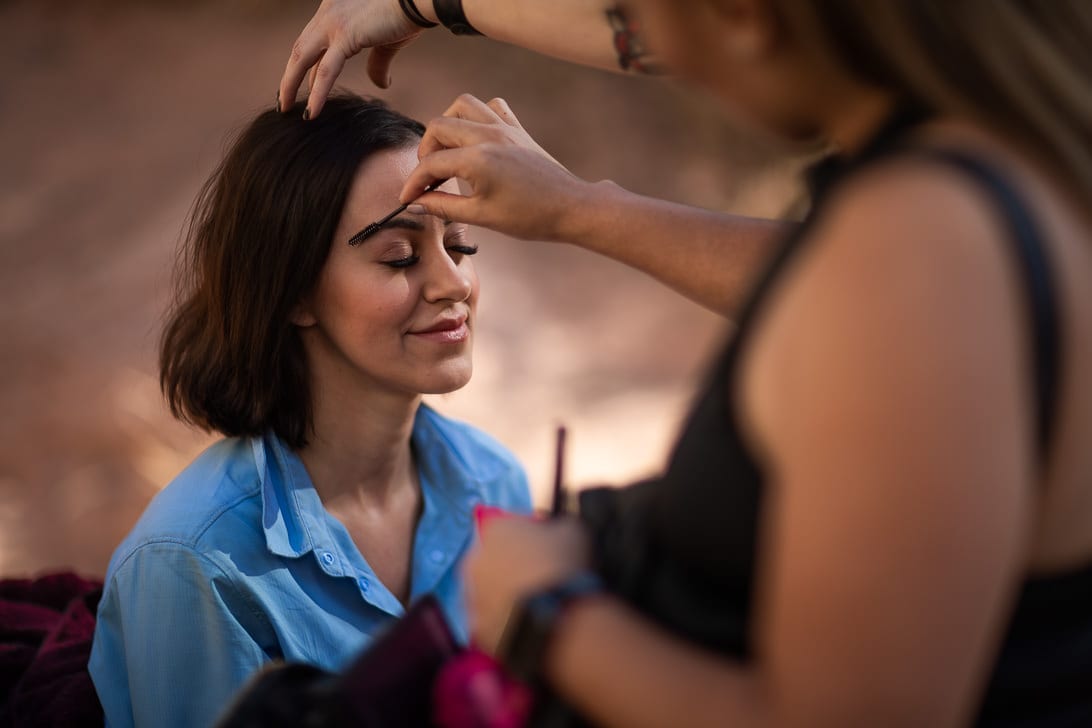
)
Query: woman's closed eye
[
  {"x": 400, "y": 255},
  {"x": 456, "y": 242},
  {"x": 402, "y": 262},
  {"x": 457, "y": 249},
  {"x": 405, "y": 257}
]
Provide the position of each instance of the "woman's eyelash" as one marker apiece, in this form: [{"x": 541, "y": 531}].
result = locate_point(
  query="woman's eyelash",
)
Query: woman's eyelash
[
  {"x": 463, "y": 249},
  {"x": 411, "y": 260},
  {"x": 403, "y": 262}
]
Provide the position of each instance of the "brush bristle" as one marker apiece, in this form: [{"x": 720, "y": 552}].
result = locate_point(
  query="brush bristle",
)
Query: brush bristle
[{"x": 363, "y": 235}]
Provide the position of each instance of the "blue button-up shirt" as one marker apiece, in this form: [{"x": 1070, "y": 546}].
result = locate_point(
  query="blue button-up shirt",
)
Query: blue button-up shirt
[{"x": 236, "y": 563}]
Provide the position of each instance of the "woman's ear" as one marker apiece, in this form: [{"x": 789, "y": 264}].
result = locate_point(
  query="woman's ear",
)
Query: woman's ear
[{"x": 301, "y": 315}]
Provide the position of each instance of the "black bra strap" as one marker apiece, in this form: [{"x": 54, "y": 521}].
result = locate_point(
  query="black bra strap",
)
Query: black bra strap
[{"x": 1035, "y": 270}]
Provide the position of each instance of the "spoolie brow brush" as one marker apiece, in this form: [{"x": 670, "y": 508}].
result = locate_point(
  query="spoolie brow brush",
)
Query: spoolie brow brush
[{"x": 376, "y": 226}]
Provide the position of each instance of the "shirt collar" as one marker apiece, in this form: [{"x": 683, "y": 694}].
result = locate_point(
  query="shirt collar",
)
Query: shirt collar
[
  {"x": 290, "y": 503},
  {"x": 295, "y": 521}
]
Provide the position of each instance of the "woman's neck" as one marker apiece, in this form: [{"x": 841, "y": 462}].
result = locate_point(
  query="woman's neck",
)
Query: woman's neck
[{"x": 359, "y": 453}]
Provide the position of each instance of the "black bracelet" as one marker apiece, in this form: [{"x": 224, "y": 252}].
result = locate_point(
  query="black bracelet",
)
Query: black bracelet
[
  {"x": 451, "y": 16},
  {"x": 531, "y": 625},
  {"x": 415, "y": 15}
]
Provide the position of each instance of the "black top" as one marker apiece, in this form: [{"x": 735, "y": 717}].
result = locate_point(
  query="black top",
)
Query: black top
[{"x": 682, "y": 548}]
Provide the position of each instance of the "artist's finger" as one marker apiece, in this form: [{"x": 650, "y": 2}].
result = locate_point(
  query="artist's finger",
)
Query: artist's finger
[
  {"x": 325, "y": 75},
  {"x": 471, "y": 108},
  {"x": 305, "y": 53},
  {"x": 380, "y": 59},
  {"x": 444, "y": 164},
  {"x": 448, "y": 133},
  {"x": 503, "y": 111},
  {"x": 448, "y": 206},
  {"x": 311, "y": 77},
  {"x": 470, "y": 571}
]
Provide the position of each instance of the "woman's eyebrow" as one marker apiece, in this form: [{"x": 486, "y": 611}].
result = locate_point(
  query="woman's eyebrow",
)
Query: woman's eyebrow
[
  {"x": 384, "y": 221},
  {"x": 411, "y": 223},
  {"x": 405, "y": 223},
  {"x": 389, "y": 221}
]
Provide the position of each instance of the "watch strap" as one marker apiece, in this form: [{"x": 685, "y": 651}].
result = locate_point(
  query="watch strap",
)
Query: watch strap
[
  {"x": 451, "y": 16},
  {"x": 415, "y": 15},
  {"x": 531, "y": 627}
]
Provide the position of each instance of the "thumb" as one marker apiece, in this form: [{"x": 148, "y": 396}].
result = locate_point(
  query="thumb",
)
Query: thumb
[
  {"x": 440, "y": 165},
  {"x": 448, "y": 206},
  {"x": 379, "y": 63}
]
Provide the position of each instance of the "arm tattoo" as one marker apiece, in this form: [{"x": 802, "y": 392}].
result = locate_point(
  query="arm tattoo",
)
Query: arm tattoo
[{"x": 632, "y": 54}]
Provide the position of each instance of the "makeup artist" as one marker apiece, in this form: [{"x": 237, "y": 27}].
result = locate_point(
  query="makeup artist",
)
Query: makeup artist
[{"x": 877, "y": 513}]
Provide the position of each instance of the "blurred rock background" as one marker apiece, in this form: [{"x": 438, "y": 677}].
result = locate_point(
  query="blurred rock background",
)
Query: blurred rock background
[{"x": 111, "y": 116}]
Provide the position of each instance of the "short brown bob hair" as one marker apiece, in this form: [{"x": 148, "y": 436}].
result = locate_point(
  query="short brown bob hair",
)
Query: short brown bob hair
[{"x": 230, "y": 358}]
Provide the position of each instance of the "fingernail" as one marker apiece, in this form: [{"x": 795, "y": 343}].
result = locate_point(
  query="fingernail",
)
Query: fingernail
[
  {"x": 416, "y": 209},
  {"x": 307, "y": 114}
]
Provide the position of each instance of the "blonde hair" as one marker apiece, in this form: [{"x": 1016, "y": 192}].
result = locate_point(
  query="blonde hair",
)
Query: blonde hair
[{"x": 1020, "y": 67}]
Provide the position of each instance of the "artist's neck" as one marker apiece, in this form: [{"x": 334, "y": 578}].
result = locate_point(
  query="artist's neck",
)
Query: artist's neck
[{"x": 853, "y": 120}]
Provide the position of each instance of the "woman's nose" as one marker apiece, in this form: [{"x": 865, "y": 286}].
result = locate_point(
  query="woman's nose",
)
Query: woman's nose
[{"x": 445, "y": 279}]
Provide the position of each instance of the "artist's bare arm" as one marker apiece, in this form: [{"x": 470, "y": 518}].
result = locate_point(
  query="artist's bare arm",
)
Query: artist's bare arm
[
  {"x": 710, "y": 257},
  {"x": 515, "y": 187},
  {"x": 572, "y": 30},
  {"x": 588, "y": 32}
]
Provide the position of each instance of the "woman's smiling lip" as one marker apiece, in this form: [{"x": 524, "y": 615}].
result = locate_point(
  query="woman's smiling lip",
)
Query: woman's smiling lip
[{"x": 446, "y": 330}]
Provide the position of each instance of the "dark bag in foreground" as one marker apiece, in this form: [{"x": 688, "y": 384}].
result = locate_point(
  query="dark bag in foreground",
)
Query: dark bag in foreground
[{"x": 390, "y": 684}]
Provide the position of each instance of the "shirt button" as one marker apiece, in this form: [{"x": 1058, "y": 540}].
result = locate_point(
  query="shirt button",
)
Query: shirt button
[
  {"x": 363, "y": 583},
  {"x": 327, "y": 558},
  {"x": 437, "y": 556}
]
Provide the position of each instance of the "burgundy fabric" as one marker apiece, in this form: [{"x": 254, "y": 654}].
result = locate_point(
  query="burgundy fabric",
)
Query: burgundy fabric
[{"x": 46, "y": 626}]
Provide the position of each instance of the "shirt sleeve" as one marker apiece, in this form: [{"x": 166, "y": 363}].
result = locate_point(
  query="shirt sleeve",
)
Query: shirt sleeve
[{"x": 174, "y": 641}]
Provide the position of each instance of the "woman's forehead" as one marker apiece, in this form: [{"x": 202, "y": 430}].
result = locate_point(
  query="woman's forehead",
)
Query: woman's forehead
[
  {"x": 379, "y": 180},
  {"x": 375, "y": 189}
]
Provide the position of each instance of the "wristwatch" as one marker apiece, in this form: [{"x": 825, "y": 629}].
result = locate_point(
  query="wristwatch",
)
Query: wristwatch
[{"x": 530, "y": 628}]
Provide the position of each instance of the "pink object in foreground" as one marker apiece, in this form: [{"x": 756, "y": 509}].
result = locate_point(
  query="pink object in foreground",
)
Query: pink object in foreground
[
  {"x": 473, "y": 691},
  {"x": 485, "y": 514}
]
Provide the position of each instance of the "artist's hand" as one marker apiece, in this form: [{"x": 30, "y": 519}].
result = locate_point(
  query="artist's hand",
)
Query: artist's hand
[
  {"x": 515, "y": 187},
  {"x": 515, "y": 558},
  {"x": 339, "y": 30}
]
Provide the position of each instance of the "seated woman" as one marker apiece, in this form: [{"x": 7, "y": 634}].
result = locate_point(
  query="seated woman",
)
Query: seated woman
[{"x": 337, "y": 497}]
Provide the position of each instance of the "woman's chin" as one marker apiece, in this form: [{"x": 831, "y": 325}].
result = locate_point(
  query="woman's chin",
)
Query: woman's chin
[{"x": 449, "y": 378}]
